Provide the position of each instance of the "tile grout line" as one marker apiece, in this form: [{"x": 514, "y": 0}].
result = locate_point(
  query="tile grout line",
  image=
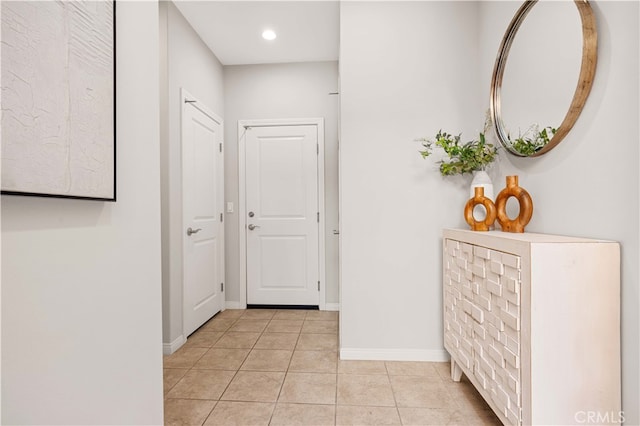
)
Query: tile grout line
[
  {"x": 199, "y": 358},
  {"x": 395, "y": 400},
  {"x": 194, "y": 364},
  {"x": 275, "y": 404},
  {"x": 236, "y": 370},
  {"x": 234, "y": 375}
]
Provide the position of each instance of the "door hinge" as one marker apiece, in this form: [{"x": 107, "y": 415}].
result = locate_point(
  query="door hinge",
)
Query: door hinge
[
  {"x": 221, "y": 286},
  {"x": 221, "y": 216},
  {"x": 318, "y": 285},
  {"x": 220, "y": 146},
  {"x": 318, "y": 217}
]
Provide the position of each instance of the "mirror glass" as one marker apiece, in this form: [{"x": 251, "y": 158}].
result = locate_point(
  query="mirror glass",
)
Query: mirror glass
[
  {"x": 536, "y": 88},
  {"x": 543, "y": 67}
]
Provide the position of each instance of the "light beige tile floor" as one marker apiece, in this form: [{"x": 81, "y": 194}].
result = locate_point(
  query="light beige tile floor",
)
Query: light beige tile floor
[{"x": 281, "y": 367}]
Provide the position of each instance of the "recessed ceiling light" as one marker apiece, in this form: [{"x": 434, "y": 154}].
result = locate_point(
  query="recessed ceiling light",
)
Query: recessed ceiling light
[{"x": 269, "y": 35}]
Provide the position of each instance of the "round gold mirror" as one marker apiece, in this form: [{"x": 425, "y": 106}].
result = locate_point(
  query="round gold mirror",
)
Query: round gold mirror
[{"x": 542, "y": 136}]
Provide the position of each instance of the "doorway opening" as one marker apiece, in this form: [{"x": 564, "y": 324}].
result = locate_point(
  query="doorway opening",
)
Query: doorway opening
[{"x": 281, "y": 212}]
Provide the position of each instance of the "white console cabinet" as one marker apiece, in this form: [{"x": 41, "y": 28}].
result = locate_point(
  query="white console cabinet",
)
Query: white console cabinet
[{"x": 533, "y": 321}]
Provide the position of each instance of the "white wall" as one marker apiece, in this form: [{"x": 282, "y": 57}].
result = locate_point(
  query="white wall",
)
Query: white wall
[
  {"x": 405, "y": 72},
  {"x": 188, "y": 63},
  {"x": 281, "y": 91},
  {"x": 81, "y": 283},
  {"x": 588, "y": 185}
]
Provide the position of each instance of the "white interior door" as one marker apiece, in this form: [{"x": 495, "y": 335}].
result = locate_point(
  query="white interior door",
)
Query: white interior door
[
  {"x": 203, "y": 230},
  {"x": 282, "y": 208}
]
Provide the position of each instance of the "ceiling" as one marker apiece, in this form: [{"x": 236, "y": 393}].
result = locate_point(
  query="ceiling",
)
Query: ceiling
[{"x": 306, "y": 30}]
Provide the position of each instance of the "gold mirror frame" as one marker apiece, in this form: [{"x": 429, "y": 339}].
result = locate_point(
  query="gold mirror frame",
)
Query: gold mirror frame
[{"x": 585, "y": 79}]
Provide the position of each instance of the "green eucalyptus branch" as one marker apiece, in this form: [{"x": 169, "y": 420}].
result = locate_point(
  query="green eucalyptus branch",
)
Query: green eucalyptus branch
[{"x": 463, "y": 157}]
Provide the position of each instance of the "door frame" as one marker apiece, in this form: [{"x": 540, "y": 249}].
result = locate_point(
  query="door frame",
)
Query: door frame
[
  {"x": 196, "y": 103},
  {"x": 242, "y": 207}
]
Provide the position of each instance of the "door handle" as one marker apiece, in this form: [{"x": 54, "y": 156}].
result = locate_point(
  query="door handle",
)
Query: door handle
[
  {"x": 193, "y": 231},
  {"x": 252, "y": 227}
]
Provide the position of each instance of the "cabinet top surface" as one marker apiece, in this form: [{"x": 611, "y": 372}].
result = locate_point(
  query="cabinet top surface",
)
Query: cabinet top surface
[{"x": 526, "y": 237}]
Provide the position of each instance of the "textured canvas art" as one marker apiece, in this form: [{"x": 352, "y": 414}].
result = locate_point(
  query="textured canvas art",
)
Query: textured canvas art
[{"x": 58, "y": 118}]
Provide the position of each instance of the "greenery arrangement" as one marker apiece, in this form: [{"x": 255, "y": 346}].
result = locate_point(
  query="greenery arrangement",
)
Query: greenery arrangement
[
  {"x": 463, "y": 157},
  {"x": 529, "y": 145}
]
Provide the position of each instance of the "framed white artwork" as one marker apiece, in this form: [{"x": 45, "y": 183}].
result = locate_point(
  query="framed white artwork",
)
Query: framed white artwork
[{"x": 58, "y": 99}]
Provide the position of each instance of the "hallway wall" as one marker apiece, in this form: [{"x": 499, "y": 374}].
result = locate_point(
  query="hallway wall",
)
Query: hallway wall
[
  {"x": 81, "y": 283},
  {"x": 404, "y": 74},
  {"x": 186, "y": 62}
]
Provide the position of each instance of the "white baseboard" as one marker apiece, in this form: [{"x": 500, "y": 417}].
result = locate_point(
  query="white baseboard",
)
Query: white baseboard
[
  {"x": 394, "y": 355},
  {"x": 331, "y": 306},
  {"x": 169, "y": 348},
  {"x": 234, "y": 305}
]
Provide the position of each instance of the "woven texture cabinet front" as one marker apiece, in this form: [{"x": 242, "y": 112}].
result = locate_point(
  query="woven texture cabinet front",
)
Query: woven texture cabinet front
[{"x": 482, "y": 320}]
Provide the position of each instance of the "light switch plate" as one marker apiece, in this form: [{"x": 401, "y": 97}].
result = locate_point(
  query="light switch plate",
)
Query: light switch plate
[{"x": 229, "y": 207}]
